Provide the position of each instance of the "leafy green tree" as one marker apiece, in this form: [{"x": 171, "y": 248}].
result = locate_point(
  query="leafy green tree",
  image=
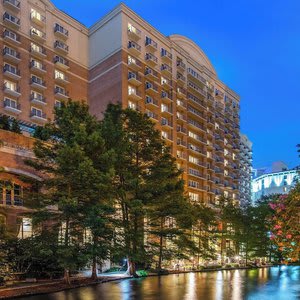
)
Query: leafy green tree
[
  {"x": 15, "y": 126},
  {"x": 4, "y": 122},
  {"x": 167, "y": 209},
  {"x": 76, "y": 172},
  {"x": 138, "y": 147}
]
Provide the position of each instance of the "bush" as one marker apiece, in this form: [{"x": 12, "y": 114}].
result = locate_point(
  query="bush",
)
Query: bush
[
  {"x": 2, "y": 281},
  {"x": 142, "y": 273}
]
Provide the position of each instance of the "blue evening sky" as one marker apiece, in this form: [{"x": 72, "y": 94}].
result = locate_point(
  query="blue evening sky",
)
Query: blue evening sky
[{"x": 254, "y": 46}]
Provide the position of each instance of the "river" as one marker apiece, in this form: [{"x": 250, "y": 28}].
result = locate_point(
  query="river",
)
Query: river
[{"x": 276, "y": 283}]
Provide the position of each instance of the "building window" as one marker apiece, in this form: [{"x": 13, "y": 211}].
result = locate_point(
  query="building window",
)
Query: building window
[
  {"x": 194, "y": 197},
  {"x": 57, "y": 103}
]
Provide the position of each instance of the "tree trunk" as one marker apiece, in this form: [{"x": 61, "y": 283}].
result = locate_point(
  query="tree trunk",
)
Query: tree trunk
[
  {"x": 94, "y": 269},
  {"x": 131, "y": 268},
  {"x": 160, "y": 244},
  {"x": 67, "y": 276}
]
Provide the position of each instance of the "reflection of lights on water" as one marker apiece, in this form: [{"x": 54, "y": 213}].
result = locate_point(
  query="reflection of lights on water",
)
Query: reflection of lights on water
[
  {"x": 236, "y": 286},
  {"x": 191, "y": 287},
  {"x": 219, "y": 286}
]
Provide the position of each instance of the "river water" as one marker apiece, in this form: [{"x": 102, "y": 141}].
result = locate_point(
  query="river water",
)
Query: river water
[{"x": 276, "y": 283}]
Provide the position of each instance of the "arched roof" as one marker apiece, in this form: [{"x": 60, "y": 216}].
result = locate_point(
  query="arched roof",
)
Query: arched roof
[{"x": 194, "y": 51}]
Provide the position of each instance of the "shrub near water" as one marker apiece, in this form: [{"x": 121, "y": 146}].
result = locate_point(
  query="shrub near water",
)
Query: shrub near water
[{"x": 142, "y": 273}]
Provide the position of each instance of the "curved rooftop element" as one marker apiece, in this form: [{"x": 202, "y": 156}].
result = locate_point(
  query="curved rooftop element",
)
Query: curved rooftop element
[{"x": 194, "y": 51}]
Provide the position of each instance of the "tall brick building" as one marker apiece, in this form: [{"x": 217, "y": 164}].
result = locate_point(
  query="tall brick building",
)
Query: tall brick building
[{"x": 49, "y": 57}]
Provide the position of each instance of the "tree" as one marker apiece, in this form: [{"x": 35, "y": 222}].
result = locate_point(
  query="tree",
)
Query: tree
[
  {"x": 167, "y": 209},
  {"x": 76, "y": 171},
  {"x": 4, "y": 122},
  {"x": 286, "y": 224},
  {"x": 138, "y": 147},
  {"x": 15, "y": 127}
]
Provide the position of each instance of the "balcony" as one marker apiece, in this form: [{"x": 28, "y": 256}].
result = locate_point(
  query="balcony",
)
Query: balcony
[
  {"x": 180, "y": 117},
  {"x": 181, "y": 130},
  {"x": 166, "y": 110},
  {"x": 150, "y": 44},
  {"x": 61, "y": 47},
  {"x": 61, "y": 79},
  {"x": 196, "y": 89},
  {"x": 180, "y": 79},
  {"x": 38, "y": 51},
  {"x": 12, "y": 91},
  {"x": 37, "y": 35},
  {"x": 152, "y": 115},
  {"x": 180, "y": 104},
  {"x": 151, "y": 59},
  {"x": 11, "y": 55},
  {"x": 37, "y": 67},
  {"x": 38, "y": 83},
  {"x": 151, "y": 88},
  {"x": 151, "y": 102},
  {"x": 134, "y": 48},
  {"x": 219, "y": 94},
  {"x": 166, "y": 70},
  {"x": 151, "y": 74},
  {"x": 166, "y": 96},
  {"x": 133, "y": 32},
  {"x": 11, "y": 37},
  {"x": 134, "y": 64},
  {"x": 181, "y": 92},
  {"x": 11, "y": 72},
  {"x": 180, "y": 65},
  {"x": 181, "y": 143},
  {"x": 13, "y": 5},
  {"x": 166, "y": 84},
  {"x": 37, "y": 18},
  {"x": 195, "y": 76},
  {"x": 61, "y": 63},
  {"x": 11, "y": 21},
  {"x": 134, "y": 79},
  {"x": 61, "y": 32},
  {"x": 38, "y": 116},
  {"x": 134, "y": 95},
  {"x": 166, "y": 56},
  {"x": 166, "y": 123},
  {"x": 12, "y": 106},
  {"x": 61, "y": 94},
  {"x": 37, "y": 99}
]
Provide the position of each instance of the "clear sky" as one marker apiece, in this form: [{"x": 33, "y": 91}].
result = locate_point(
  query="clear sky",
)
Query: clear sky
[{"x": 254, "y": 46}]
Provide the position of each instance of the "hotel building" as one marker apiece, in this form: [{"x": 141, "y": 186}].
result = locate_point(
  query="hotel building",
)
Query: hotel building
[{"x": 49, "y": 57}]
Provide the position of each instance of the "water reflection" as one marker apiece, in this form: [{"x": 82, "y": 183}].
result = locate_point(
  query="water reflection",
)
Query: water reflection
[{"x": 275, "y": 283}]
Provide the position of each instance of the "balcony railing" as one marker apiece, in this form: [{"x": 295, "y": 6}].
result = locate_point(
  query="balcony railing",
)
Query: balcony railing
[
  {"x": 151, "y": 44},
  {"x": 14, "y": 4},
  {"x": 133, "y": 32},
  {"x": 12, "y": 20},
  {"x": 180, "y": 64},
  {"x": 12, "y": 71},
  {"x": 150, "y": 100},
  {"x": 38, "y": 82},
  {"x": 166, "y": 69},
  {"x": 38, "y": 115},
  {"x": 12, "y": 105},
  {"x": 151, "y": 58},
  {"x": 37, "y": 98},
  {"x": 58, "y": 29},
  {"x": 12, "y": 36},
  {"x": 11, "y": 53},
  {"x": 136, "y": 48},
  {"x": 61, "y": 62},
  {"x": 61, "y": 46}
]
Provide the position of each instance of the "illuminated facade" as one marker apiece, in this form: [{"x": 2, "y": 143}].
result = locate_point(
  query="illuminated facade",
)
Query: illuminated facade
[
  {"x": 245, "y": 170},
  {"x": 49, "y": 57},
  {"x": 273, "y": 183}
]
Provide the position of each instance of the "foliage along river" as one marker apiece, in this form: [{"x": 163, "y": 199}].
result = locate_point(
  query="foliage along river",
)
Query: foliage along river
[{"x": 276, "y": 283}]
